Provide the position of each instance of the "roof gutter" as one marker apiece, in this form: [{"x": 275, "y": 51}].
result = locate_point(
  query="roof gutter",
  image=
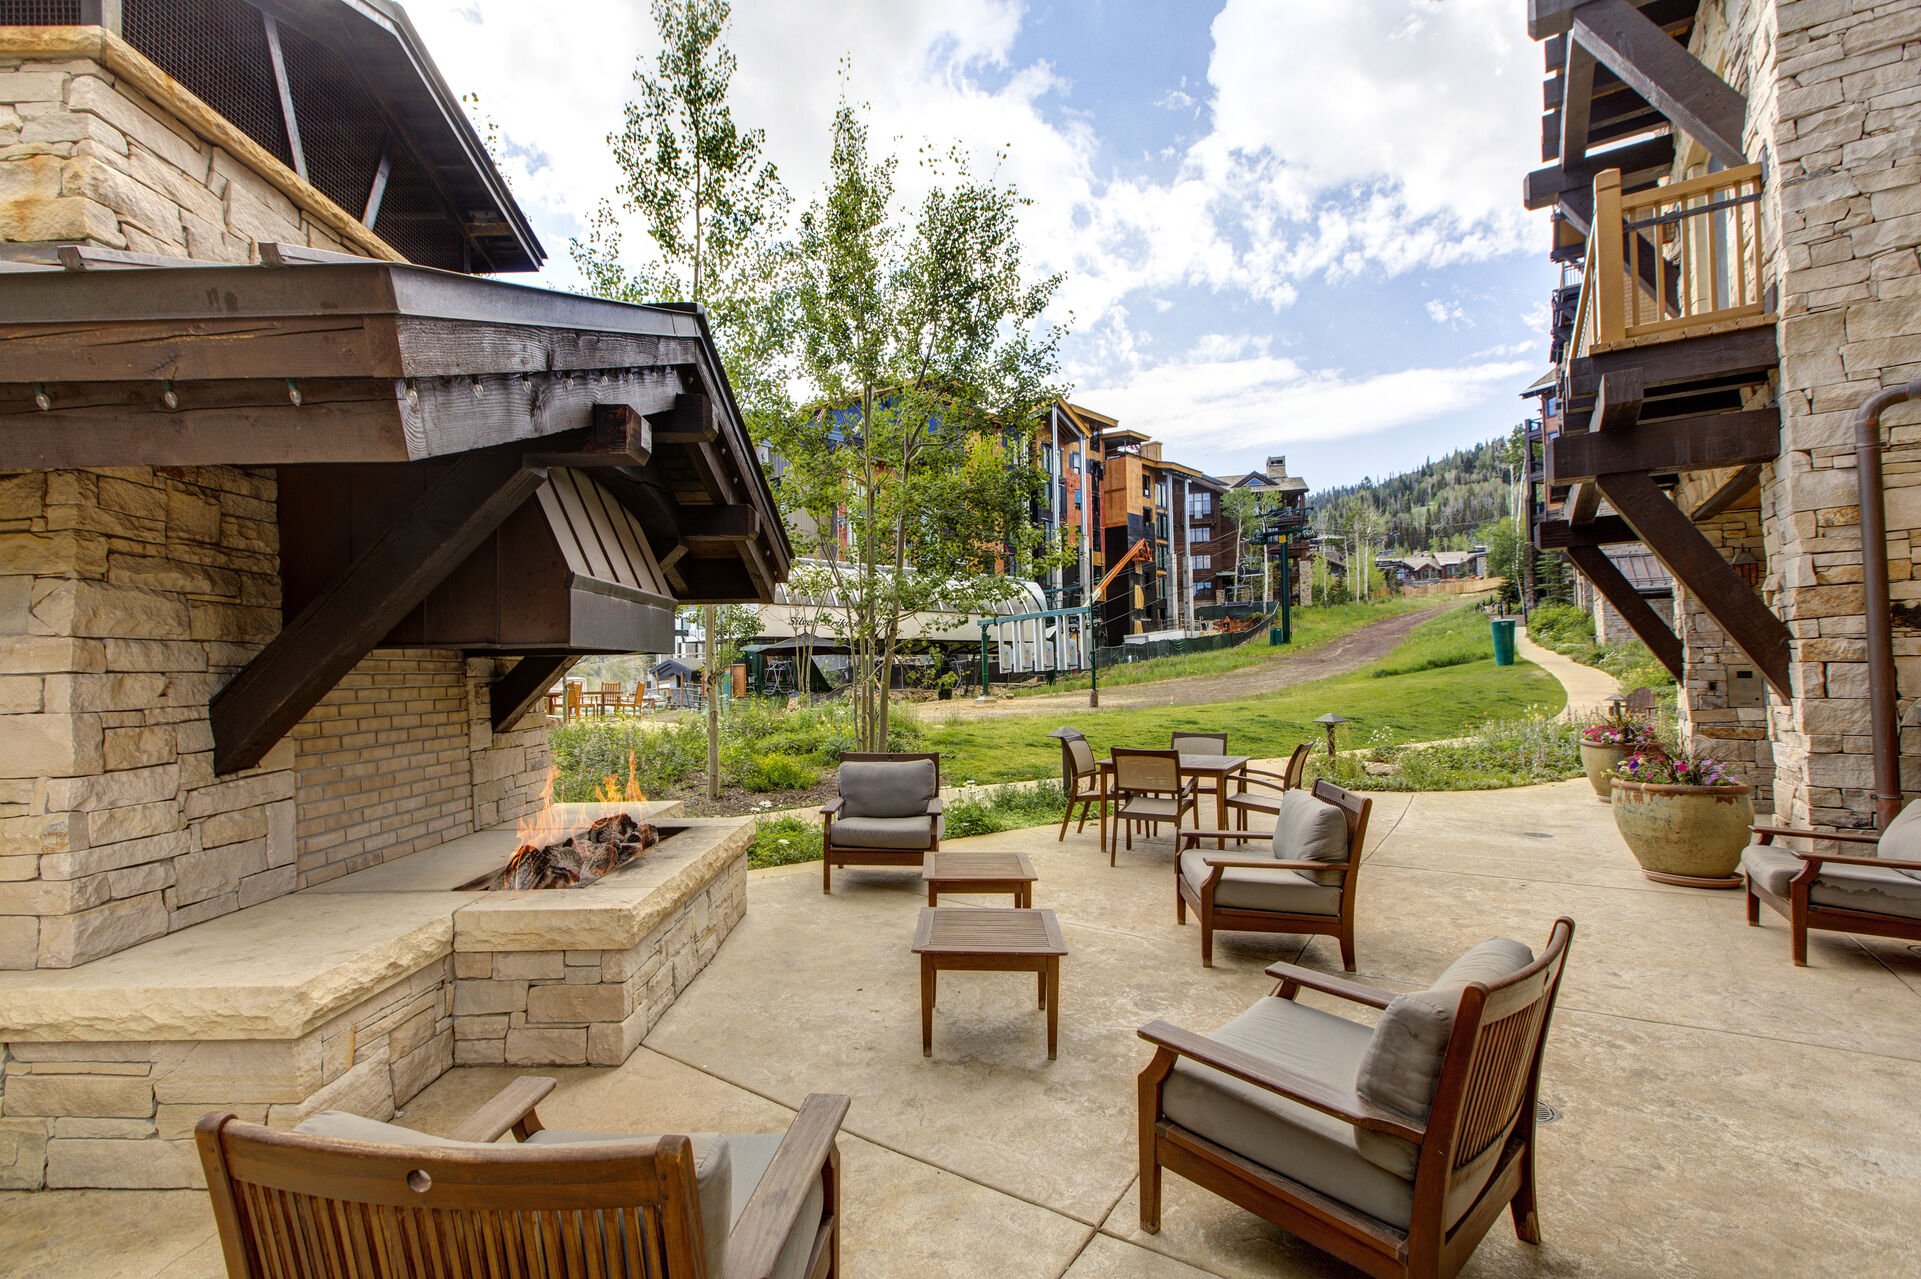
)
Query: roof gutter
[{"x": 1885, "y": 727}]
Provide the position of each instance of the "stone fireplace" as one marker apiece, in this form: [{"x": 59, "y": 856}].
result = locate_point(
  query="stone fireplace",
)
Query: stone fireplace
[{"x": 293, "y": 538}]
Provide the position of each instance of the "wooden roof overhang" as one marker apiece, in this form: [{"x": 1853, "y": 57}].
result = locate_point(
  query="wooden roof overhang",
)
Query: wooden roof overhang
[{"x": 462, "y": 463}]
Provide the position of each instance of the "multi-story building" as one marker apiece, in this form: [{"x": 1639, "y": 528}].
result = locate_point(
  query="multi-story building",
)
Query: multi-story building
[{"x": 1739, "y": 184}]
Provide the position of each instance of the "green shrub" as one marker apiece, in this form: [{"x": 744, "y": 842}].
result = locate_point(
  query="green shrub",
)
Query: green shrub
[
  {"x": 769, "y": 772},
  {"x": 1004, "y": 808},
  {"x": 1555, "y": 625},
  {"x": 1499, "y": 753},
  {"x": 782, "y": 841}
]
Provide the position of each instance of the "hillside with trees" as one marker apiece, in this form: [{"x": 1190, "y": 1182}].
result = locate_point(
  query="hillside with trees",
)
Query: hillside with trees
[{"x": 1438, "y": 506}]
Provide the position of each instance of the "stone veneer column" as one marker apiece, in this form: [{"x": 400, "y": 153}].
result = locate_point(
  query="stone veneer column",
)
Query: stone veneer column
[{"x": 1835, "y": 84}]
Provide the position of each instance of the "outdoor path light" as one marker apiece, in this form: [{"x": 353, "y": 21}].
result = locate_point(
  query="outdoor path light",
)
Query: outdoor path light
[{"x": 1330, "y": 720}]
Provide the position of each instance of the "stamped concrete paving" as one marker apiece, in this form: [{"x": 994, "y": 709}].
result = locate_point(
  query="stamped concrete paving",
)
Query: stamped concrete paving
[{"x": 1722, "y": 1113}]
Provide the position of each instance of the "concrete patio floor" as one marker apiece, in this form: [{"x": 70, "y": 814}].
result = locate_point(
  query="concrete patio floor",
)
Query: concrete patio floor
[{"x": 1720, "y": 1112}]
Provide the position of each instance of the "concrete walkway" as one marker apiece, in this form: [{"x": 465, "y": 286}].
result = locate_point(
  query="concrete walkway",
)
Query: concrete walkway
[
  {"x": 1720, "y": 1112},
  {"x": 1588, "y": 689}
]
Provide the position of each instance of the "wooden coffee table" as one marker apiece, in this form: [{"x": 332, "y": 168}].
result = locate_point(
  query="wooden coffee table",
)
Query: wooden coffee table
[
  {"x": 979, "y": 872},
  {"x": 989, "y": 939}
]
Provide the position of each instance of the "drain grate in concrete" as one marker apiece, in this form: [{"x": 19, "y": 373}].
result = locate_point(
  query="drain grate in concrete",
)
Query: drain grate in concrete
[
  {"x": 1544, "y": 1113},
  {"x": 1536, "y": 834}
]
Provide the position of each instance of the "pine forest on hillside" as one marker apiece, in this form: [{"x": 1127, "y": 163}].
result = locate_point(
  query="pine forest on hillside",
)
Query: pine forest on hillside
[{"x": 1437, "y": 506}]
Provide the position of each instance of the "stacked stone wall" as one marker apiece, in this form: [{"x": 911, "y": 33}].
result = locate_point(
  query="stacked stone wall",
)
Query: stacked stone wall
[{"x": 1834, "y": 111}]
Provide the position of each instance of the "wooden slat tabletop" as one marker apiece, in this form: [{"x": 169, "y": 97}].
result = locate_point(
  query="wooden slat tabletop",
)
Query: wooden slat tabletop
[
  {"x": 977, "y": 864},
  {"x": 988, "y": 931}
]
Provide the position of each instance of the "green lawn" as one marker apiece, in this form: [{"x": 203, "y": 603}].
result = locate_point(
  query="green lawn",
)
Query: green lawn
[
  {"x": 1312, "y": 628},
  {"x": 1439, "y": 701}
]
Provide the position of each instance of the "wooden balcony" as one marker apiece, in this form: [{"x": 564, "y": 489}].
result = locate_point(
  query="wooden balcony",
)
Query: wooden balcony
[{"x": 1671, "y": 262}]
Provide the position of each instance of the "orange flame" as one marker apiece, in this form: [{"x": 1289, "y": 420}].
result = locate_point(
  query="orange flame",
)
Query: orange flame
[{"x": 611, "y": 791}]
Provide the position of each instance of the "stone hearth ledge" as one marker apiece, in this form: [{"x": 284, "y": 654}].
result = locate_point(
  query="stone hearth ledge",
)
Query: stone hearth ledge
[{"x": 279, "y": 969}]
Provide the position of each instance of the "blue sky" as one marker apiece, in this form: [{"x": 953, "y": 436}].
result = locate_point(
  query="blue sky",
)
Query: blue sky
[{"x": 1288, "y": 226}]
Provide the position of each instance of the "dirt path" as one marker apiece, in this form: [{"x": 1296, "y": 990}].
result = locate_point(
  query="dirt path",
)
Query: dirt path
[{"x": 1350, "y": 652}]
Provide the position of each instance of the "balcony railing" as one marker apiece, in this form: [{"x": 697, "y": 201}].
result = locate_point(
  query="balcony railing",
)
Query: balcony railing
[{"x": 1671, "y": 261}]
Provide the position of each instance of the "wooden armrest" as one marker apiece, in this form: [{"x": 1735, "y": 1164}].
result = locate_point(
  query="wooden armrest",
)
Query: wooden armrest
[
  {"x": 1196, "y": 836},
  {"x": 760, "y": 1233},
  {"x": 832, "y": 806},
  {"x": 1248, "y": 1068},
  {"x": 933, "y": 807},
  {"x": 1839, "y": 859},
  {"x": 1768, "y": 834},
  {"x": 511, "y": 1107},
  {"x": 1292, "y": 977}
]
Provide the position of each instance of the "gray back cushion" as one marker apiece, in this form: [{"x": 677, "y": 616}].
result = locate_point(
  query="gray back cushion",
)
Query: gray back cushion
[
  {"x": 1403, "y": 1060},
  {"x": 887, "y": 788},
  {"x": 1310, "y": 830},
  {"x": 1901, "y": 841}
]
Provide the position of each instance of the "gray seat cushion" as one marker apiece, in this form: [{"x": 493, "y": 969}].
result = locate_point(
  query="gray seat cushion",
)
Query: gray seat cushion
[
  {"x": 1402, "y": 1063},
  {"x": 1307, "y": 829},
  {"x": 906, "y": 833},
  {"x": 887, "y": 788},
  {"x": 1153, "y": 808},
  {"x": 1771, "y": 867},
  {"x": 1296, "y": 1141},
  {"x": 1876, "y": 890},
  {"x": 1284, "y": 891}
]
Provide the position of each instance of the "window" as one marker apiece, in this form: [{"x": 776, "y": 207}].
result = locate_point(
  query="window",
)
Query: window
[
  {"x": 1200, "y": 563},
  {"x": 1200, "y": 533},
  {"x": 1200, "y": 505},
  {"x": 1160, "y": 493},
  {"x": 1160, "y": 523},
  {"x": 1074, "y": 462},
  {"x": 1047, "y": 458},
  {"x": 1147, "y": 486}
]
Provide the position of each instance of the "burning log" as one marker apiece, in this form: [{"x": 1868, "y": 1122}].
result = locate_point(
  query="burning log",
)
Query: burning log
[{"x": 581, "y": 858}]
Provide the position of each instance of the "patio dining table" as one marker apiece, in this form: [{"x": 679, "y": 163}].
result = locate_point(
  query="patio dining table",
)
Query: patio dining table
[{"x": 1218, "y": 767}]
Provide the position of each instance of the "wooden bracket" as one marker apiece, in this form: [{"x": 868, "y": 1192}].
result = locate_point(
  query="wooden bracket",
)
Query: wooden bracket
[
  {"x": 690, "y": 421},
  {"x": 510, "y": 696},
  {"x": 1698, "y": 566},
  {"x": 1560, "y": 535},
  {"x": 1617, "y": 405},
  {"x": 1736, "y": 487},
  {"x": 315, "y": 650},
  {"x": 619, "y": 436},
  {"x": 1659, "y": 68},
  {"x": 1634, "y": 610},
  {"x": 1577, "y": 102}
]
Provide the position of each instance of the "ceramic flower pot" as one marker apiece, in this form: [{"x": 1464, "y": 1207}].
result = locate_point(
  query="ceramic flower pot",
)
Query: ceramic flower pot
[
  {"x": 1597, "y": 758},
  {"x": 1687, "y": 835}
]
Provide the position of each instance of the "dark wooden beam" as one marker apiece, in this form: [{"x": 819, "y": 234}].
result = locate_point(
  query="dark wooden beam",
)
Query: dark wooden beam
[
  {"x": 1736, "y": 487},
  {"x": 1550, "y": 17},
  {"x": 1543, "y": 187},
  {"x": 1577, "y": 103},
  {"x": 1698, "y": 566},
  {"x": 513, "y": 694},
  {"x": 1660, "y": 69},
  {"x": 344, "y": 622},
  {"x": 689, "y": 420},
  {"x": 455, "y": 415},
  {"x": 617, "y": 436},
  {"x": 1640, "y": 616},
  {"x": 1684, "y": 361},
  {"x": 1704, "y": 443},
  {"x": 1559, "y": 535}
]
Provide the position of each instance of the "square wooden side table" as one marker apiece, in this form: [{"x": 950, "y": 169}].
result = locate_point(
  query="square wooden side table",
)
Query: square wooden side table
[{"x": 989, "y": 939}]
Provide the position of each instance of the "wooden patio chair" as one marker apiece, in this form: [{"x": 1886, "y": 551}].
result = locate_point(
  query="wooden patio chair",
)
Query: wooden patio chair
[
  {"x": 1640, "y": 704},
  {"x": 1877, "y": 892},
  {"x": 1304, "y": 882},
  {"x": 1271, "y": 786},
  {"x": 1082, "y": 781},
  {"x": 1393, "y": 1147},
  {"x": 346, "y": 1196},
  {"x": 888, "y": 812},
  {"x": 1193, "y": 743},
  {"x": 1148, "y": 790}
]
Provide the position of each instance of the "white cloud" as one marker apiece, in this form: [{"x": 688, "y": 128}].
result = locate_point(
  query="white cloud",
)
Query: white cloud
[
  {"x": 1448, "y": 313},
  {"x": 1250, "y": 404}
]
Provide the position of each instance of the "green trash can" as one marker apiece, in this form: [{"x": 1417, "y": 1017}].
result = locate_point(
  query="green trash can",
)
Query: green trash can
[{"x": 1503, "y": 641}]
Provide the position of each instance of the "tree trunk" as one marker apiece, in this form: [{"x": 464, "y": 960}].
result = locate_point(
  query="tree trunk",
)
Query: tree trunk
[{"x": 709, "y": 622}]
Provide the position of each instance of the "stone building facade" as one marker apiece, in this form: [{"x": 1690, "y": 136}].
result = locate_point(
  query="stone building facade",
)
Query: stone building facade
[
  {"x": 1834, "y": 113},
  {"x": 128, "y": 596}
]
